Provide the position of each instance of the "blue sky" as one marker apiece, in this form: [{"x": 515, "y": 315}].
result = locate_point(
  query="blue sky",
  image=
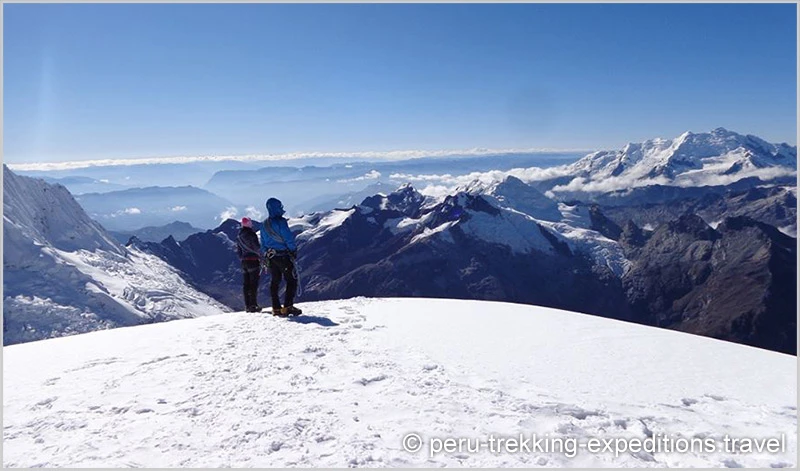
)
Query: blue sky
[{"x": 88, "y": 81}]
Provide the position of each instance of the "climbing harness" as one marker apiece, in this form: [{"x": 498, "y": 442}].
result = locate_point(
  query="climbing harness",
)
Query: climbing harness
[{"x": 273, "y": 234}]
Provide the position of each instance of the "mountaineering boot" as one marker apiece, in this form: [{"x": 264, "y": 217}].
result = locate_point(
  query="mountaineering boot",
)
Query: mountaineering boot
[
  {"x": 277, "y": 311},
  {"x": 255, "y": 308},
  {"x": 254, "y": 299},
  {"x": 291, "y": 311}
]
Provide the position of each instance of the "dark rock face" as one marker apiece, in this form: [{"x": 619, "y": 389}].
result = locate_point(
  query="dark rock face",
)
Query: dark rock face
[
  {"x": 735, "y": 283},
  {"x": 776, "y": 206},
  {"x": 632, "y": 236},
  {"x": 602, "y": 224},
  {"x": 361, "y": 258},
  {"x": 466, "y": 269}
]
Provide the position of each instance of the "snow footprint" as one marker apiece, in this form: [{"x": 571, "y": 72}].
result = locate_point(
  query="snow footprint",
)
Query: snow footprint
[
  {"x": 374, "y": 379},
  {"x": 715, "y": 397},
  {"x": 45, "y": 403},
  {"x": 51, "y": 381},
  {"x": 315, "y": 351},
  {"x": 579, "y": 413},
  {"x": 93, "y": 363}
]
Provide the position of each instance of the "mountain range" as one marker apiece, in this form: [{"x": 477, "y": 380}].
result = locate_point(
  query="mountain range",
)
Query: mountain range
[
  {"x": 179, "y": 230},
  {"x": 135, "y": 208},
  {"x": 317, "y": 187},
  {"x": 715, "y": 259},
  {"x": 736, "y": 282},
  {"x": 719, "y": 157},
  {"x": 718, "y": 262}
]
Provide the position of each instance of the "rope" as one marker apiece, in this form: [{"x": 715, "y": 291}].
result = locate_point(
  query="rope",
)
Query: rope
[
  {"x": 243, "y": 244},
  {"x": 296, "y": 273},
  {"x": 295, "y": 269}
]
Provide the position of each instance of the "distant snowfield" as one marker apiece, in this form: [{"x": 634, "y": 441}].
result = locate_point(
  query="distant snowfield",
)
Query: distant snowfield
[{"x": 343, "y": 385}]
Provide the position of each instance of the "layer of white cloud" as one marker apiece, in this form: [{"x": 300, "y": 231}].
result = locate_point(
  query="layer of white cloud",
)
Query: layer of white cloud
[
  {"x": 580, "y": 184},
  {"x": 698, "y": 178},
  {"x": 229, "y": 213},
  {"x": 529, "y": 174},
  {"x": 371, "y": 175},
  {"x": 439, "y": 185},
  {"x": 377, "y": 155},
  {"x": 128, "y": 211},
  {"x": 178, "y": 208},
  {"x": 767, "y": 173}
]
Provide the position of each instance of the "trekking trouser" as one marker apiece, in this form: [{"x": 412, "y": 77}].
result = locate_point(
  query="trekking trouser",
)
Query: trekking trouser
[
  {"x": 251, "y": 271},
  {"x": 281, "y": 266}
]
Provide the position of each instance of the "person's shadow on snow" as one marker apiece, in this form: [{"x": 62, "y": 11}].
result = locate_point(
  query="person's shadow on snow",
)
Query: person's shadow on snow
[{"x": 303, "y": 319}]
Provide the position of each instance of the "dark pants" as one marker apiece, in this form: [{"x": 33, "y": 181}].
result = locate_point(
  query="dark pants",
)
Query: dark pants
[
  {"x": 252, "y": 271},
  {"x": 281, "y": 266}
]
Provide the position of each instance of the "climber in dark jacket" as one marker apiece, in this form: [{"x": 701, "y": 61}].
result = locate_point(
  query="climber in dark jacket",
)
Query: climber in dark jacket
[
  {"x": 280, "y": 249},
  {"x": 247, "y": 246}
]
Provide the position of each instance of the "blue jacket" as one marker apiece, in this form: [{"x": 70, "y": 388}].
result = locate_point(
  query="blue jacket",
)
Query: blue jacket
[
  {"x": 275, "y": 233},
  {"x": 280, "y": 227}
]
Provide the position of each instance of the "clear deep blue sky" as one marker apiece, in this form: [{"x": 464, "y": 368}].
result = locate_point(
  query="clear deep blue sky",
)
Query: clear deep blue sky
[{"x": 88, "y": 81}]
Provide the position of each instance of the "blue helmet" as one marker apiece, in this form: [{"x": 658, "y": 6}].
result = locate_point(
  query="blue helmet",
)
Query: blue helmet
[{"x": 275, "y": 208}]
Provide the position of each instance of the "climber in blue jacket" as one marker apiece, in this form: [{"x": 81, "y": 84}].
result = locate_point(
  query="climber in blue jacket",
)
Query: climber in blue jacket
[{"x": 279, "y": 249}]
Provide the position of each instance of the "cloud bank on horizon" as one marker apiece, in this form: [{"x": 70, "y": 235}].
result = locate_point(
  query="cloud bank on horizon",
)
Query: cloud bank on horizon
[
  {"x": 442, "y": 185},
  {"x": 378, "y": 155}
]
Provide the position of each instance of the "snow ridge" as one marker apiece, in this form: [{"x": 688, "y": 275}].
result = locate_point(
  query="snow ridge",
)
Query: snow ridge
[{"x": 343, "y": 384}]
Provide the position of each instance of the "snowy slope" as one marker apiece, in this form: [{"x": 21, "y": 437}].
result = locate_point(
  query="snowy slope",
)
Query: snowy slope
[
  {"x": 64, "y": 274},
  {"x": 332, "y": 220},
  {"x": 514, "y": 193},
  {"x": 519, "y": 200},
  {"x": 37, "y": 211},
  {"x": 342, "y": 386}
]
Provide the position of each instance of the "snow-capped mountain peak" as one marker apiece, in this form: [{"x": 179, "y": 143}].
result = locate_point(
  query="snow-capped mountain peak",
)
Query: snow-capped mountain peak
[
  {"x": 405, "y": 199},
  {"x": 512, "y": 192},
  {"x": 691, "y": 159},
  {"x": 34, "y": 210},
  {"x": 64, "y": 274}
]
